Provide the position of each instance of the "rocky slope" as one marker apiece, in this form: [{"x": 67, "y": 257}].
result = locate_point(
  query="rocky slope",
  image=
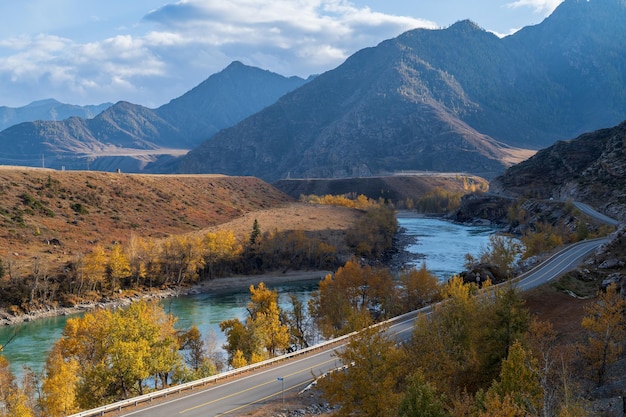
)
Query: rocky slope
[
  {"x": 590, "y": 169},
  {"x": 457, "y": 99}
]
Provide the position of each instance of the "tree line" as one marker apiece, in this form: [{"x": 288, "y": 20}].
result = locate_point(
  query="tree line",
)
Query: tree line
[
  {"x": 148, "y": 263},
  {"x": 479, "y": 354}
]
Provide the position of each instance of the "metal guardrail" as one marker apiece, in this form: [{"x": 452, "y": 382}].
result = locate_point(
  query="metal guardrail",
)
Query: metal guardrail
[
  {"x": 177, "y": 389},
  {"x": 131, "y": 402}
]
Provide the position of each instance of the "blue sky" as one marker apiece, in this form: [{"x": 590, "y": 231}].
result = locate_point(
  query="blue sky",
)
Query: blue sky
[{"x": 150, "y": 51}]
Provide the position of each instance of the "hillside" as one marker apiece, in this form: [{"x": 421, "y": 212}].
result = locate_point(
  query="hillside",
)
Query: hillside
[
  {"x": 455, "y": 99},
  {"x": 590, "y": 169},
  {"x": 55, "y": 215},
  {"x": 395, "y": 188}
]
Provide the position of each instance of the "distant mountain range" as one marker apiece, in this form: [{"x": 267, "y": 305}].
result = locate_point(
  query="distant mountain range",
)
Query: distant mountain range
[
  {"x": 130, "y": 137},
  {"x": 456, "y": 99},
  {"x": 49, "y": 109}
]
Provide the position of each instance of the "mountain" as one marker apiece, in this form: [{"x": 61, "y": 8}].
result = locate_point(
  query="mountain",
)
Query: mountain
[
  {"x": 130, "y": 137},
  {"x": 590, "y": 169},
  {"x": 457, "y": 99},
  {"x": 49, "y": 109}
]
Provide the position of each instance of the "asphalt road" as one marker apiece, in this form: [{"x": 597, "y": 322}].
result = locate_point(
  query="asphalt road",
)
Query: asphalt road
[{"x": 232, "y": 397}]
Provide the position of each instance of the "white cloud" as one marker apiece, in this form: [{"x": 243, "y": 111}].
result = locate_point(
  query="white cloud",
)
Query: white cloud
[
  {"x": 178, "y": 45},
  {"x": 540, "y": 6}
]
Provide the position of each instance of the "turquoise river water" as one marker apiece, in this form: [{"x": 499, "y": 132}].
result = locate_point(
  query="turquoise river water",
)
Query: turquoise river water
[{"x": 442, "y": 245}]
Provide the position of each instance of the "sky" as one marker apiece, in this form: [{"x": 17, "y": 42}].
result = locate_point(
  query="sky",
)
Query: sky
[{"x": 151, "y": 51}]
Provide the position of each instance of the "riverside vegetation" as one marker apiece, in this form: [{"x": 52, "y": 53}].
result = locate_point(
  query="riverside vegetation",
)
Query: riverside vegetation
[{"x": 130, "y": 351}]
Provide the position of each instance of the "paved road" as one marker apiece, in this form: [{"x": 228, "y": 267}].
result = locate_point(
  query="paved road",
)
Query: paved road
[
  {"x": 229, "y": 398},
  {"x": 588, "y": 210}
]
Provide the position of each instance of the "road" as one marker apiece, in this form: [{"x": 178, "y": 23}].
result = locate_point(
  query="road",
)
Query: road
[
  {"x": 588, "y": 210},
  {"x": 229, "y": 398}
]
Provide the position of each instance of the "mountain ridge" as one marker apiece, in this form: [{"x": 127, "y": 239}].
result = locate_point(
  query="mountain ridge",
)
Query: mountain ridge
[
  {"x": 47, "y": 109},
  {"x": 454, "y": 99},
  {"x": 80, "y": 143}
]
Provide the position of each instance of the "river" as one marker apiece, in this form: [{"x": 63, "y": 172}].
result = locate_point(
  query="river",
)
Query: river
[{"x": 441, "y": 244}]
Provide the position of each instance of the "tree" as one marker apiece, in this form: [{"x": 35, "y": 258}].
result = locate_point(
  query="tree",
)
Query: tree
[
  {"x": 119, "y": 350},
  {"x": 508, "y": 322},
  {"x": 369, "y": 384},
  {"x": 352, "y": 299},
  {"x": 195, "y": 354},
  {"x": 299, "y": 323},
  {"x": 13, "y": 400},
  {"x": 58, "y": 387},
  {"x": 518, "y": 389},
  {"x": 262, "y": 334},
  {"x": 606, "y": 329},
  {"x": 503, "y": 252},
  {"x": 418, "y": 288},
  {"x": 118, "y": 266},
  {"x": 266, "y": 315},
  {"x": 94, "y": 267},
  {"x": 421, "y": 399},
  {"x": 255, "y": 235}
]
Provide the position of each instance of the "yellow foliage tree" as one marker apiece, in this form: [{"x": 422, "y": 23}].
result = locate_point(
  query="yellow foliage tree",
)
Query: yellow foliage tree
[
  {"x": 605, "y": 324},
  {"x": 58, "y": 387},
  {"x": 419, "y": 288},
  {"x": 369, "y": 384},
  {"x": 118, "y": 350},
  {"x": 118, "y": 266}
]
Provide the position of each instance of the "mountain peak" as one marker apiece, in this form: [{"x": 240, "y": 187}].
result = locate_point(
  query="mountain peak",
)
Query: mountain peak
[
  {"x": 465, "y": 26},
  {"x": 44, "y": 102}
]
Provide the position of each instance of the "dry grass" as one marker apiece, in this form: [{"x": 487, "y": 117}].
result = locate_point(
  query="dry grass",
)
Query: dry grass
[{"x": 54, "y": 215}]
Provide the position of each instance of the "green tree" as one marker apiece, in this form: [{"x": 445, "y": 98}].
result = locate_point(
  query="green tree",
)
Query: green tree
[
  {"x": 421, "y": 399},
  {"x": 519, "y": 384},
  {"x": 255, "y": 235}
]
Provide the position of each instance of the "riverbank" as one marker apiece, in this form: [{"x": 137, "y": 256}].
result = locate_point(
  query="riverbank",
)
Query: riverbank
[{"x": 213, "y": 286}]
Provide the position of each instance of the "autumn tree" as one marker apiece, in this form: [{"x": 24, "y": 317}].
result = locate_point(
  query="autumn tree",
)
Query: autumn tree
[
  {"x": 182, "y": 258},
  {"x": 299, "y": 323},
  {"x": 58, "y": 387},
  {"x": 195, "y": 354},
  {"x": 119, "y": 350},
  {"x": 262, "y": 334},
  {"x": 219, "y": 247},
  {"x": 518, "y": 391},
  {"x": 445, "y": 345},
  {"x": 369, "y": 384},
  {"x": 118, "y": 266},
  {"x": 421, "y": 399},
  {"x": 265, "y": 314},
  {"x": 605, "y": 324},
  {"x": 503, "y": 252},
  {"x": 352, "y": 299},
  {"x": 94, "y": 268},
  {"x": 13, "y": 400},
  {"x": 419, "y": 288}
]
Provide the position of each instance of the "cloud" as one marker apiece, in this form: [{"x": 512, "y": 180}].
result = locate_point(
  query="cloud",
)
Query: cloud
[
  {"x": 176, "y": 46},
  {"x": 540, "y": 6}
]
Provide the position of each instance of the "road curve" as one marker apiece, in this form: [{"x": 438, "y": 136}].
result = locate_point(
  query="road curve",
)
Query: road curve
[{"x": 229, "y": 398}]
